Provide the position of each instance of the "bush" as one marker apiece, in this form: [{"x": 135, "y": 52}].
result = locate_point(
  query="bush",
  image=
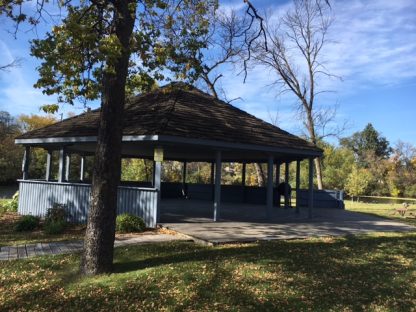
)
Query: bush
[
  {"x": 129, "y": 223},
  {"x": 55, "y": 220},
  {"x": 27, "y": 223},
  {"x": 11, "y": 205},
  {"x": 55, "y": 227},
  {"x": 56, "y": 213}
]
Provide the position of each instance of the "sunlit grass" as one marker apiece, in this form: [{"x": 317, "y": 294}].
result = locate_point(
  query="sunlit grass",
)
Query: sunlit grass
[
  {"x": 383, "y": 210},
  {"x": 374, "y": 272}
]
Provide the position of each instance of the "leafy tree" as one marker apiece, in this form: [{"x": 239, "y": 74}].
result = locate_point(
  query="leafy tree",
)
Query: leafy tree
[
  {"x": 358, "y": 181},
  {"x": 337, "y": 165},
  {"x": 368, "y": 140},
  {"x": 140, "y": 170},
  {"x": 401, "y": 174},
  {"x": 10, "y": 153},
  {"x": 32, "y": 122},
  {"x": 108, "y": 49}
]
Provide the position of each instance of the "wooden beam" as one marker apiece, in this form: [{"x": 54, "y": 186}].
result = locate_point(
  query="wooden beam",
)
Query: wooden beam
[
  {"x": 297, "y": 184},
  {"x": 48, "y": 165},
  {"x": 310, "y": 197},
  {"x": 67, "y": 166},
  {"x": 243, "y": 181},
  {"x": 25, "y": 163},
  {"x": 278, "y": 173},
  {"x": 157, "y": 179},
  {"x": 184, "y": 172},
  {"x": 217, "y": 192},
  {"x": 82, "y": 169},
  {"x": 61, "y": 171},
  {"x": 287, "y": 182},
  {"x": 269, "y": 199}
]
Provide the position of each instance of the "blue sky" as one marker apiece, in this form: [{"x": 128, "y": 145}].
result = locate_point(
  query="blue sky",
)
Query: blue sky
[{"x": 373, "y": 49}]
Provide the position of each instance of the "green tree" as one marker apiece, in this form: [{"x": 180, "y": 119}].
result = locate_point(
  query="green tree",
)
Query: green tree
[
  {"x": 108, "y": 49},
  {"x": 10, "y": 153},
  {"x": 368, "y": 140},
  {"x": 38, "y": 156},
  {"x": 358, "y": 181},
  {"x": 337, "y": 165}
]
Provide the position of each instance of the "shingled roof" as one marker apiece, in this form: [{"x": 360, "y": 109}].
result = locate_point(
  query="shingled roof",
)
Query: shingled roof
[{"x": 184, "y": 111}]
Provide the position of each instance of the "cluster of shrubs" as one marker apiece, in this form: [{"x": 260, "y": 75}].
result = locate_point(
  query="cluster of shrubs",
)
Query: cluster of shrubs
[
  {"x": 126, "y": 223},
  {"x": 55, "y": 221}
]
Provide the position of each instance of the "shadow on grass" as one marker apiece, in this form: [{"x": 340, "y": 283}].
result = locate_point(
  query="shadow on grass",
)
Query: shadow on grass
[{"x": 350, "y": 273}]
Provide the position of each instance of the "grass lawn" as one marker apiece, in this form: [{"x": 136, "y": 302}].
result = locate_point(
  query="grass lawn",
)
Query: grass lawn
[
  {"x": 382, "y": 210},
  {"x": 373, "y": 272}
]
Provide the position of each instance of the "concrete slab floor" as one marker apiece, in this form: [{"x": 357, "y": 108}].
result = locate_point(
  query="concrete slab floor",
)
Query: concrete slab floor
[{"x": 284, "y": 224}]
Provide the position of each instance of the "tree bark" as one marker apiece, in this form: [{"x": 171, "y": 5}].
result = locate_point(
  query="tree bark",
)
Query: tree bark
[
  {"x": 260, "y": 174},
  {"x": 100, "y": 233},
  {"x": 311, "y": 129}
]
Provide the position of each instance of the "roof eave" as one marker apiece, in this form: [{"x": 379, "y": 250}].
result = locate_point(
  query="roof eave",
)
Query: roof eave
[{"x": 303, "y": 152}]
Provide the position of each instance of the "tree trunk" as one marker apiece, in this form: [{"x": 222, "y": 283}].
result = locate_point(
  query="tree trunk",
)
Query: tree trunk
[
  {"x": 260, "y": 174},
  {"x": 311, "y": 129},
  {"x": 100, "y": 233}
]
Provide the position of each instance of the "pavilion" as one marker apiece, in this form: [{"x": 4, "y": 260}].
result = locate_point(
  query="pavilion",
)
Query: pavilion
[{"x": 176, "y": 122}]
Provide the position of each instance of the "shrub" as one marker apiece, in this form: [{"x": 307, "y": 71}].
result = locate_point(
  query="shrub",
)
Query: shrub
[
  {"x": 129, "y": 223},
  {"x": 27, "y": 223},
  {"x": 11, "y": 205},
  {"x": 55, "y": 227},
  {"x": 56, "y": 213},
  {"x": 55, "y": 220}
]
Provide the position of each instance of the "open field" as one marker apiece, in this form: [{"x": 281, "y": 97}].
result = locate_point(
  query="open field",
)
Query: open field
[{"x": 383, "y": 210}]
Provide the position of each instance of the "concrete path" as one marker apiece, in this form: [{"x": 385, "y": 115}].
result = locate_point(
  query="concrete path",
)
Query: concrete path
[
  {"x": 326, "y": 222},
  {"x": 57, "y": 248}
]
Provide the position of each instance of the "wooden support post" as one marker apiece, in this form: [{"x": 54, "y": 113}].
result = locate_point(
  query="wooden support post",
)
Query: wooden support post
[
  {"x": 184, "y": 173},
  {"x": 153, "y": 174},
  {"x": 82, "y": 169},
  {"x": 212, "y": 173},
  {"x": 243, "y": 181},
  {"x": 297, "y": 184},
  {"x": 287, "y": 183},
  {"x": 310, "y": 197},
  {"x": 184, "y": 188},
  {"x": 157, "y": 185},
  {"x": 67, "y": 166},
  {"x": 269, "y": 200},
  {"x": 48, "y": 165},
  {"x": 25, "y": 163},
  {"x": 61, "y": 171},
  {"x": 217, "y": 192},
  {"x": 278, "y": 181},
  {"x": 277, "y": 173}
]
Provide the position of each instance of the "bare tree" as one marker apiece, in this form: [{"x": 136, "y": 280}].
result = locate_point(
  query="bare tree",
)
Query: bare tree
[
  {"x": 224, "y": 44},
  {"x": 294, "y": 53},
  {"x": 7, "y": 67}
]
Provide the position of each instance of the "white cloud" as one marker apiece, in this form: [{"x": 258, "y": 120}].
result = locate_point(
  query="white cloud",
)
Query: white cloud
[{"x": 375, "y": 42}]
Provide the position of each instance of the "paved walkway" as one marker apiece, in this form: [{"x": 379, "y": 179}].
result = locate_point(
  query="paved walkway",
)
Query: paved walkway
[
  {"x": 57, "y": 248},
  {"x": 326, "y": 222}
]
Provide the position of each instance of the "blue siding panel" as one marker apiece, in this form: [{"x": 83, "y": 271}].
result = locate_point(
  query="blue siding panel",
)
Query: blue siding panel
[{"x": 35, "y": 197}]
